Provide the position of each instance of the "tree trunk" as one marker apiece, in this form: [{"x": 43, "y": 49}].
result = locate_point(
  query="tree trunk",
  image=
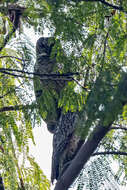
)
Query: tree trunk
[{"x": 81, "y": 158}]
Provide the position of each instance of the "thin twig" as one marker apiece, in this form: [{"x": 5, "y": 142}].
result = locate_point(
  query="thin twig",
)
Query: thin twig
[
  {"x": 15, "y": 108},
  {"x": 110, "y": 152},
  {"x": 122, "y": 128},
  {"x": 44, "y": 76},
  {"x": 104, "y": 51},
  {"x": 15, "y": 75},
  {"x": 105, "y": 43},
  {"x": 7, "y": 38},
  {"x": 79, "y": 84},
  {"x": 11, "y": 91},
  {"x": 8, "y": 56},
  {"x": 38, "y": 74}
]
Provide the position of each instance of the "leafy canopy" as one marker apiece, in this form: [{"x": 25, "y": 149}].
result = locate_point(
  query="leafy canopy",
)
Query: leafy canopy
[{"x": 93, "y": 36}]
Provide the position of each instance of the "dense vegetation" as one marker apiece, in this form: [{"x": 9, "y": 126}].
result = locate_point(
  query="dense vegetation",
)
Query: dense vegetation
[{"x": 93, "y": 34}]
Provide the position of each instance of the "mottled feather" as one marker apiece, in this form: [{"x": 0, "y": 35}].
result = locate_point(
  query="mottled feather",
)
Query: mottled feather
[{"x": 65, "y": 142}]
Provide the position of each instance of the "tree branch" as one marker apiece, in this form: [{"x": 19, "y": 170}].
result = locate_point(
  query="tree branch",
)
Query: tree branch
[
  {"x": 15, "y": 75},
  {"x": 122, "y": 128},
  {"x": 87, "y": 149},
  {"x": 15, "y": 108},
  {"x": 107, "y": 4},
  {"x": 110, "y": 152},
  {"x": 83, "y": 87},
  {"x": 43, "y": 76},
  {"x": 81, "y": 158}
]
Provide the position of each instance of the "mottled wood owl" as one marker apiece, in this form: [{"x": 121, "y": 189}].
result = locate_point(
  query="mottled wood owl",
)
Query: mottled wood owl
[
  {"x": 47, "y": 91},
  {"x": 65, "y": 142}
]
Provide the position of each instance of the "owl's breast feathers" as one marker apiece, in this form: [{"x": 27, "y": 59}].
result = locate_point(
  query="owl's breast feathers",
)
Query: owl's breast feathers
[{"x": 65, "y": 144}]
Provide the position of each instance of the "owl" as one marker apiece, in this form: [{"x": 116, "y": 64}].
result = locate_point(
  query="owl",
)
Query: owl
[
  {"x": 47, "y": 91},
  {"x": 66, "y": 142}
]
